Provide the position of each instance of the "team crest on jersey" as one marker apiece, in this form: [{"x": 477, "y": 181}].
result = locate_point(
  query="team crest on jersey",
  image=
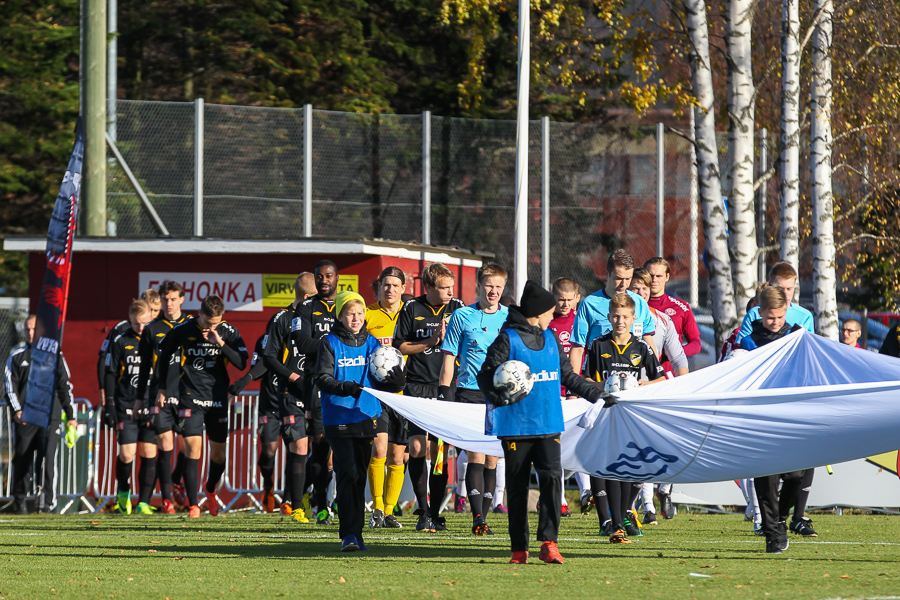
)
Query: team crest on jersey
[
  {"x": 296, "y": 323},
  {"x": 420, "y": 318},
  {"x": 670, "y": 312},
  {"x": 129, "y": 347},
  {"x": 161, "y": 334},
  {"x": 606, "y": 355},
  {"x": 635, "y": 359},
  {"x": 317, "y": 313}
]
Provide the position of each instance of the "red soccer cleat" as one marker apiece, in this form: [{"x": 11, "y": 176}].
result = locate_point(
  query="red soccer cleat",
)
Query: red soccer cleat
[
  {"x": 268, "y": 501},
  {"x": 195, "y": 512},
  {"x": 519, "y": 557},
  {"x": 550, "y": 553},
  {"x": 212, "y": 504},
  {"x": 168, "y": 508}
]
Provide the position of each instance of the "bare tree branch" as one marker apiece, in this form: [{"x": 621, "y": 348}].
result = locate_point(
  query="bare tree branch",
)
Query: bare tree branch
[
  {"x": 864, "y": 128},
  {"x": 867, "y": 236}
]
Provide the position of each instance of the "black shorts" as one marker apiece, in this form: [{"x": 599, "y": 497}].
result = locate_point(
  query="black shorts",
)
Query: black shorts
[
  {"x": 269, "y": 429},
  {"x": 393, "y": 424},
  {"x": 293, "y": 428},
  {"x": 132, "y": 432},
  {"x": 166, "y": 418},
  {"x": 215, "y": 418},
  {"x": 419, "y": 390},
  {"x": 465, "y": 396},
  {"x": 313, "y": 402}
]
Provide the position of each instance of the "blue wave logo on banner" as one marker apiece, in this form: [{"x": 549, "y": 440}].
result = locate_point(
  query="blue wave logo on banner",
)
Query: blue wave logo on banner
[{"x": 630, "y": 467}]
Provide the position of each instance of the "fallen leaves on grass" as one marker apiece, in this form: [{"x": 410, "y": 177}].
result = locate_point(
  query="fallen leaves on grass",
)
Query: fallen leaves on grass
[{"x": 845, "y": 577}]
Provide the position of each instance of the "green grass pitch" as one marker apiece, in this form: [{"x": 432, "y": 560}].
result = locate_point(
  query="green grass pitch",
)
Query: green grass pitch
[{"x": 268, "y": 556}]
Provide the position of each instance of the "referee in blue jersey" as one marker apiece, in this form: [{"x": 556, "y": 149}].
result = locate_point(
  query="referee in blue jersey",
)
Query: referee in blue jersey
[{"x": 471, "y": 330}]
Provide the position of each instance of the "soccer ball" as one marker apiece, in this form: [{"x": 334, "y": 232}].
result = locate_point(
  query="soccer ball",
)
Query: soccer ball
[
  {"x": 619, "y": 382},
  {"x": 382, "y": 361},
  {"x": 737, "y": 353},
  {"x": 515, "y": 376}
]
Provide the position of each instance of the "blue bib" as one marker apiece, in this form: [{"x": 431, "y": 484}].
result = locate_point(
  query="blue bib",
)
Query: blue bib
[
  {"x": 350, "y": 364},
  {"x": 540, "y": 412}
]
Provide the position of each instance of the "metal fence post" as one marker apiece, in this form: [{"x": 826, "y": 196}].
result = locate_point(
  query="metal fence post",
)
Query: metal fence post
[
  {"x": 660, "y": 186},
  {"x": 111, "y": 71},
  {"x": 198, "y": 167},
  {"x": 545, "y": 201},
  {"x": 762, "y": 203},
  {"x": 426, "y": 177},
  {"x": 307, "y": 170},
  {"x": 695, "y": 217}
]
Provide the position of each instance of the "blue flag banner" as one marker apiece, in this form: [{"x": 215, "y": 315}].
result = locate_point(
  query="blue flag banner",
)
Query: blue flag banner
[{"x": 51, "y": 311}]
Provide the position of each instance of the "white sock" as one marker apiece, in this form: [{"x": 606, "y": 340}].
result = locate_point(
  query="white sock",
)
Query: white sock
[
  {"x": 462, "y": 461},
  {"x": 647, "y": 497},
  {"x": 500, "y": 489}
]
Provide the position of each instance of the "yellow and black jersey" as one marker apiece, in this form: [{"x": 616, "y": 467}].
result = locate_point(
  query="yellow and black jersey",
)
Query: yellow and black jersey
[
  {"x": 417, "y": 321},
  {"x": 148, "y": 348},
  {"x": 605, "y": 357},
  {"x": 381, "y": 323},
  {"x": 123, "y": 365}
]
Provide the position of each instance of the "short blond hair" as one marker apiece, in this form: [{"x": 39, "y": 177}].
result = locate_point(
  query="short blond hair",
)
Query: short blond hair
[
  {"x": 772, "y": 297},
  {"x": 565, "y": 285},
  {"x": 305, "y": 285},
  {"x": 641, "y": 274},
  {"x": 622, "y": 301},
  {"x": 434, "y": 272},
  {"x": 491, "y": 270},
  {"x": 139, "y": 308},
  {"x": 151, "y": 296}
]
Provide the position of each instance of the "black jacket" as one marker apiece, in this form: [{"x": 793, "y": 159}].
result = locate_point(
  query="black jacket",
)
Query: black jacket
[
  {"x": 533, "y": 337},
  {"x": 762, "y": 336},
  {"x": 891, "y": 345},
  {"x": 18, "y": 366}
]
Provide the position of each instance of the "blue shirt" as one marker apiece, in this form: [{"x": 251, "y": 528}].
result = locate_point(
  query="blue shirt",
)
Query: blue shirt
[
  {"x": 592, "y": 318},
  {"x": 795, "y": 315},
  {"x": 468, "y": 336}
]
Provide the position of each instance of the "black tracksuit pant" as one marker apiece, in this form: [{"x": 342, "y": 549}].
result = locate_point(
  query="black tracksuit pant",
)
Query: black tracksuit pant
[
  {"x": 771, "y": 507},
  {"x": 521, "y": 454},
  {"x": 351, "y": 463},
  {"x": 32, "y": 443}
]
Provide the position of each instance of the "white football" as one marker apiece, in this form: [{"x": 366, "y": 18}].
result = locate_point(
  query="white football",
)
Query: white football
[
  {"x": 382, "y": 361},
  {"x": 515, "y": 376},
  {"x": 737, "y": 353},
  {"x": 620, "y": 381}
]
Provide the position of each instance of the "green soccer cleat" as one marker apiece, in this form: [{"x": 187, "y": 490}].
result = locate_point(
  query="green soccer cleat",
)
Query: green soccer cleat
[
  {"x": 123, "y": 502},
  {"x": 144, "y": 509},
  {"x": 323, "y": 518}
]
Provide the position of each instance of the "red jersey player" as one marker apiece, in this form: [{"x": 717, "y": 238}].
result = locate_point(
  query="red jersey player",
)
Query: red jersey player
[
  {"x": 678, "y": 310},
  {"x": 568, "y": 294}
]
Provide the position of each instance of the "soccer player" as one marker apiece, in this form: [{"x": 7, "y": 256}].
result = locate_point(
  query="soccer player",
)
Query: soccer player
[
  {"x": 529, "y": 425},
  {"x": 391, "y": 438},
  {"x": 285, "y": 413},
  {"x": 420, "y": 331},
  {"x": 592, "y": 319},
  {"x": 166, "y": 417},
  {"x": 891, "y": 345},
  {"x": 850, "y": 333},
  {"x": 470, "y": 331},
  {"x": 32, "y": 440},
  {"x": 567, "y": 293},
  {"x": 349, "y": 417},
  {"x": 313, "y": 320},
  {"x": 678, "y": 310},
  {"x": 668, "y": 341},
  {"x": 784, "y": 276},
  {"x": 206, "y": 344},
  {"x": 109, "y": 413},
  {"x": 620, "y": 351},
  {"x": 135, "y": 432},
  {"x": 770, "y": 326}
]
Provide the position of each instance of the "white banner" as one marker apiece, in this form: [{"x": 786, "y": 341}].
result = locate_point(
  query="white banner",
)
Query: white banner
[{"x": 240, "y": 291}]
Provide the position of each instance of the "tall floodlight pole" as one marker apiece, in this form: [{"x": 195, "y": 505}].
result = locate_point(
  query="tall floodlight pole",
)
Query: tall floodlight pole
[
  {"x": 521, "y": 245},
  {"x": 94, "y": 190}
]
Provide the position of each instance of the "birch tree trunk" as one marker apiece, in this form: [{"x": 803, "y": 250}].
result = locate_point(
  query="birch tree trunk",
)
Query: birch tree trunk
[
  {"x": 739, "y": 185},
  {"x": 721, "y": 292},
  {"x": 824, "y": 279},
  {"x": 790, "y": 134}
]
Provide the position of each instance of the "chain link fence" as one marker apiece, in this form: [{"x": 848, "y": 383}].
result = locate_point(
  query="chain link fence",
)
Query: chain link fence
[{"x": 366, "y": 174}]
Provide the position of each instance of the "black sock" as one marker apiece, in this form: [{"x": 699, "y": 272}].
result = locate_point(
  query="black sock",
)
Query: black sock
[
  {"x": 475, "y": 488},
  {"x": 289, "y": 479},
  {"x": 490, "y": 484},
  {"x": 803, "y": 494},
  {"x": 214, "y": 475},
  {"x": 164, "y": 473},
  {"x": 419, "y": 481},
  {"x": 191, "y": 473},
  {"x": 601, "y": 500},
  {"x": 266, "y": 469},
  {"x": 297, "y": 466},
  {"x": 438, "y": 485},
  {"x": 147, "y": 478},
  {"x": 123, "y": 473},
  {"x": 178, "y": 473}
]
